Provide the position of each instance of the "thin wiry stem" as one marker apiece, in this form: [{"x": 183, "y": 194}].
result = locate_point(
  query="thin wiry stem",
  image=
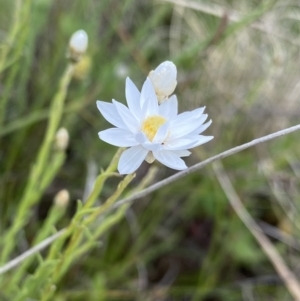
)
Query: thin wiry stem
[
  {"x": 15, "y": 262},
  {"x": 279, "y": 264},
  {"x": 42, "y": 245},
  {"x": 202, "y": 164}
]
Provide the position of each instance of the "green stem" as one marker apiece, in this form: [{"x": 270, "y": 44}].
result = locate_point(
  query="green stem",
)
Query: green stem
[
  {"x": 34, "y": 188},
  {"x": 111, "y": 200},
  {"x": 12, "y": 35},
  {"x": 101, "y": 179},
  {"x": 69, "y": 254},
  {"x": 17, "y": 38},
  {"x": 37, "y": 116}
]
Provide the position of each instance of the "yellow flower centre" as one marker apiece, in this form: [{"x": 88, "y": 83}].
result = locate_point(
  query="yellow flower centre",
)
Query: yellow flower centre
[{"x": 151, "y": 125}]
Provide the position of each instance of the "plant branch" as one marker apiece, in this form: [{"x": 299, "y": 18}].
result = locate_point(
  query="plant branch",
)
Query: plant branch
[
  {"x": 155, "y": 187},
  {"x": 39, "y": 247}
]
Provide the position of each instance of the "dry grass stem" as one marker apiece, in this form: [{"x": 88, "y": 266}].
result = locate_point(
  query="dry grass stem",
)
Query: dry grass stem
[{"x": 279, "y": 264}]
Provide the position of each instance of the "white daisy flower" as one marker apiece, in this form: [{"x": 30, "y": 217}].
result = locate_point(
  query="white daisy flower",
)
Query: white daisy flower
[
  {"x": 151, "y": 131},
  {"x": 164, "y": 80}
]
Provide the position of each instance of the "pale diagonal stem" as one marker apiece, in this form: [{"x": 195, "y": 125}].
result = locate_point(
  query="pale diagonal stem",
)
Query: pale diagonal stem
[
  {"x": 161, "y": 184},
  {"x": 202, "y": 164},
  {"x": 39, "y": 247},
  {"x": 287, "y": 276}
]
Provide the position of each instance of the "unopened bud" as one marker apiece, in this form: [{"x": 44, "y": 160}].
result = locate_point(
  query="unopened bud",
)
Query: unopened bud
[
  {"x": 62, "y": 139},
  {"x": 164, "y": 80},
  {"x": 78, "y": 45},
  {"x": 62, "y": 198}
]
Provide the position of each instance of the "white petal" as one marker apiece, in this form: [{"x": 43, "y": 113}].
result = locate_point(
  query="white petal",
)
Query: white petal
[
  {"x": 186, "y": 124},
  {"x": 182, "y": 153},
  {"x": 129, "y": 119},
  {"x": 110, "y": 113},
  {"x": 201, "y": 140},
  {"x": 185, "y": 116},
  {"x": 161, "y": 133},
  {"x": 149, "y": 100},
  {"x": 152, "y": 146},
  {"x": 201, "y": 128},
  {"x": 141, "y": 137},
  {"x": 181, "y": 118},
  {"x": 133, "y": 97},
  {"x": 118, "y": 137},
  {"x": 201, "y": 119},
  {"x": 198, "y": 112},
  {"x": 169, "y": 108},
  {"x": 170, "y": 159},
  {"x": 187, "y": 142},
  {"x": 131, "y": 159},
  {"x": 179, "y": 144}
]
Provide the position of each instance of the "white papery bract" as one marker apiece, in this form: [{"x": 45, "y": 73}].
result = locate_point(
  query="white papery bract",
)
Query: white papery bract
[
  {"x": 164, "y": 80},
  {"x": 151, "y": 130},
  {"x": 78, "y": 42},
  {"x": 62, "y": 139}
]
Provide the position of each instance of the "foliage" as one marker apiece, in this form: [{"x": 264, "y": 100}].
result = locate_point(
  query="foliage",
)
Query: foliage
[{"x": 183, "y": 242}]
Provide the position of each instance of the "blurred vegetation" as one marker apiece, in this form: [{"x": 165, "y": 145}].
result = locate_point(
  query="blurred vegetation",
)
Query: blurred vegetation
[{"x": 240, "y": 58}]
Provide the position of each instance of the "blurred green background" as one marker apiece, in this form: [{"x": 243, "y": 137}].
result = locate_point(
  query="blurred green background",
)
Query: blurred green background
[{"x": 239, "y": 58}]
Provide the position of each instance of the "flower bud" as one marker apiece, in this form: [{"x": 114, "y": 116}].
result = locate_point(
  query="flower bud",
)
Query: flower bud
[
  {"x": 164, "y": 80},
  {"x": 62, "y": 139},
  {"x": 62, "y": 198},
  {"x": 78, "y": 44}
]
